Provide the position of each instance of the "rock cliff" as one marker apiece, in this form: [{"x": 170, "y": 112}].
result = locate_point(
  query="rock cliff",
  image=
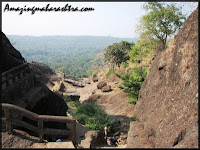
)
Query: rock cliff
[
  {"x": 9, "y": 56},
  {"x": 167, "y": 109},
  {"x": 23, "y": 84}
]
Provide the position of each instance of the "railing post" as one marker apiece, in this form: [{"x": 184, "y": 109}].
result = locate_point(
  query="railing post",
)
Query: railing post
[
  {"x": 9, "y": 126},
  {"x": 74, "y": 132},
  {"x": 40, "y": 130}
]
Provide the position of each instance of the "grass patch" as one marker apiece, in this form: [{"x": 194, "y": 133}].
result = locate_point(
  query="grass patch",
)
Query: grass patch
[
  {"x": 110, "y": 71},
  {"x": 92, "y": 73}
]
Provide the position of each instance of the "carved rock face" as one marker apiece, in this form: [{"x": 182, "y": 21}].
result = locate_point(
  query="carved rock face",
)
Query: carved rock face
[{"x": 24, "y": 85}]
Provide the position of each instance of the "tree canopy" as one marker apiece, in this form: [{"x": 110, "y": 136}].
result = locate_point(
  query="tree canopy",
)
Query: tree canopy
[
  {"x": 118, "y": 52},
  {"x": 160, "y": 22}
]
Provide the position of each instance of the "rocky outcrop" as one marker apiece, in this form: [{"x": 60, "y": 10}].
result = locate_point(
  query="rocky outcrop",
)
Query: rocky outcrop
[
  {"x": 140, "y": 139},
  {"x": 106, "y": 88},
  {"x": 101, "y": 84},
  {"x": 95, "y": 79},
  {"x": 74, "y": 96},
  {"x": 9, "y": 56},
  {"x": 75, "y": 83},
  {"x": 93, "y": 139},
  {"x": 23, "y": 85},
  {"x": 167, "y": 109}
]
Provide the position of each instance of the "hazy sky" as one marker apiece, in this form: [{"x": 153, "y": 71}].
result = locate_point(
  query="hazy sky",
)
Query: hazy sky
[{"x": 117, "y": 19}]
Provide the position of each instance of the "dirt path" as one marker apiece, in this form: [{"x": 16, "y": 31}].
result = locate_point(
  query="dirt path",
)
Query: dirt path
[{"x": 114, "y": 103}]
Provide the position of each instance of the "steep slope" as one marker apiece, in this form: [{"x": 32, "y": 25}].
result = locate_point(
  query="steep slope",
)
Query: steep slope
[
  {"x": 167, "y": 109},
  {"x": 9, "y": 56}
]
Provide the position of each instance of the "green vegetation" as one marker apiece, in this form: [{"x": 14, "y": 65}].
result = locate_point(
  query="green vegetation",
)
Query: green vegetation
[
  {"x": 161, "y": 21},
  {"x": 89, "y": 114},
  {"x": 93, "y": 117},
  {"x": 133, "y": 119},
  {"x": 135, "y": 54},
  {"x": 92, "y": 73},
  {"x": 110, "y": 71},
  {"x": 133, "y": 82},
  {"x": 117, "y": 53},
  {"x": 73, "y": 55},
  {"x": 124, "y": 65}
]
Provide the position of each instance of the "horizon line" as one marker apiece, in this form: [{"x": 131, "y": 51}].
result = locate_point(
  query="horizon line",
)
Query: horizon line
[{"x": 70, "y": 35}]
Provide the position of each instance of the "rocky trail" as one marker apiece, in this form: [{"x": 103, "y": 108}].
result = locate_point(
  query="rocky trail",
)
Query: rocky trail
[{"x": 114, "y": 103}]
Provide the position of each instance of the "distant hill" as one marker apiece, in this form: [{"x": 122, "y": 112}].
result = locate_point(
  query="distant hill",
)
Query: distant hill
[{"x": 69, "y": 54}]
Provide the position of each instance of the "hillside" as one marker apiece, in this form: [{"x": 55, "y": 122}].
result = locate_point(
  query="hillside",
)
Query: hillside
[
  {"x": 72, "y": 55},
  {"x": 167, "y": 109}
]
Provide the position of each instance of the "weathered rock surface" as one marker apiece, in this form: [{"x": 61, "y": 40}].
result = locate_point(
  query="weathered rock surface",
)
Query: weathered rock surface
[
  {"x": 23, "y": 85},
  {"x": 73, "y": 96},
  {"x": 93, "y": 98},
  {"x": 9, "y": 56},
  {"x": 167, "y": 108},
  {"x": 95, "y": 79},
  {"x": 92, "y": 139},
  {"x": 75, "y": 83},
  {"x": 140, "y": 139},
  {"x": 106, "y": 88},
  {"x": 101, "y": 84}
]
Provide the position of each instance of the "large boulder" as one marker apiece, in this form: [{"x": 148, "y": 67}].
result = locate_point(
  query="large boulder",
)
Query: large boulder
[
  {"x": 95, "y": 79},
  {"x": 75, "y": 83},
  {"x": 167, "y": 108},
  {"x": 93, "y": 139},
  {"x": 93, "y": 98},
  {"x": 106, "y": 88},
  {"x": 74, "y": 96},
  {"x": 101, "y": 84}
]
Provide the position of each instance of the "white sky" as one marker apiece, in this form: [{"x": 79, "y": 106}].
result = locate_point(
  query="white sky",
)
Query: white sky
[{"x": 117, "y": 19}]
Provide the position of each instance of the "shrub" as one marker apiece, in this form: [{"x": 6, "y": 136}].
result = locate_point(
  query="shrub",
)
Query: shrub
[
  {"x": 92, "y": 73},
  {"x": 93, "y": 117},
  {"x": 133, "y": 119},
  {"x": 124, "y": 65},
  {"x": 133, "y": 82},
  {"x": 66, "y": 98}
]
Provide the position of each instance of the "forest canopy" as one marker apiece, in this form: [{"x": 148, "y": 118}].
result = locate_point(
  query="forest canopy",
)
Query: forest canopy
[{"x": 72, "y": 55}]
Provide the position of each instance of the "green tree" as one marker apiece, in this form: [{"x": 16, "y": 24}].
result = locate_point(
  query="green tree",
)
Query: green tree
[
  {"x": 135, "y": 54},
  {"x": 118, "y": 53},
  {"x": 161, "y": 21}
]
